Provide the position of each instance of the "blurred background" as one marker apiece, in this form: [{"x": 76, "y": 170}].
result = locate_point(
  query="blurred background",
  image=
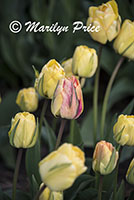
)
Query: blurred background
[{"x": 18, "y": 52}]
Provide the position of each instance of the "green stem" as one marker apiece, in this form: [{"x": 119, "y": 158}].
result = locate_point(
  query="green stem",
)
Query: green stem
[
  {"x": 71, "y": 136},
  {"x": 100, "y": 188},
  {"x": 95, "y": 95},
  {"x": 107, "y": 93},
  {"x": 119, "y": 148},
  {"x": 60, "y": 133},
  {"x": 39, "y": 192},
  {"x": 44, "y": 108},
  {"x": 19, "y": 156}
]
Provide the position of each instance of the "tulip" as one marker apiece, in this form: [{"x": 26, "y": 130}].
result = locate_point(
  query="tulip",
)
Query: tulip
[
  {"x": 24, "y": 131},
  {"x": 124, "y": 43},
  {"x": 27, "y": 99},
  {"x": 67, "y": 65},
  {"x": 124, "y": 130},
  {"x": 107, "y": 18},
  {"x": 104, "y": 158},
  {"x": 67, "y": 101},
  {"x": 60, "y": 168},
  {"x": 84, "y": 62},
  {"x": 51, "y": 195},
  {"x": 130, "y": 173},
  {"x": 47, "y": 80}
]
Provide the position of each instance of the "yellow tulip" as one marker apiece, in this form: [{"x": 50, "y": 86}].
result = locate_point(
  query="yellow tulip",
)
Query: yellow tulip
[
  {"x": 124, "y": 130},
  {"x": 85, "y": 61},
  {"x": 50, "y": 195},
  {"x": 67, "y": 100},
  {"x": 104, "y": 158},
  {"x": 27, "y": 99},
  {"x": 67, "y": 65},
  {"x": 107, "y": 18},
  {"x": 47, "y": 80},
  {"x": 130, "y": 173},
  {"x": 61, "y": 167},
  {"x": 24, "y": 131},
  {"x": 124, "y": 43}
]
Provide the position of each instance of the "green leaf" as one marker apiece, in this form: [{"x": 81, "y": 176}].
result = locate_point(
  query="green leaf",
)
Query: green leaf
[
  {"x": 34, "y": 186},
  {"x": 51, "y": 138},
  {"x": 121, "y": 191},
  {"x": 32, "y": 160},
  {"x": 129, "y": 108},
  {"x": 81, "y": 182},
  {"x": 84, "y": 195},
  {"x": 87, "y": 129}
]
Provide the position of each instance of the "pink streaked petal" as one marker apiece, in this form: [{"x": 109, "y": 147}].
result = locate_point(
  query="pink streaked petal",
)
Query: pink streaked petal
[{"x": 70, "y": 103}]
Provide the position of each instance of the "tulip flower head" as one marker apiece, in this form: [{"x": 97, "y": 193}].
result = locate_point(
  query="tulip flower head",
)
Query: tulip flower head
[
  {"x": 67, "y": 100},
  {"x": 107, "y": 18},
  {"x": 124, "y": 43},
  {"x": 27, "y": 99},
  {"x": 104, "y": 158},
  {"x": 47, "y": 80},
  {"x": 61, "y": 167},
  {"x": 50, "y": 195},
  {"x": 24, "y": 130},
  {"x": 67, "y": 65},
  {"x": 85, "y": 61},
  {"x": 130, "y": 173},
  {"x": 124, "y": 130}
]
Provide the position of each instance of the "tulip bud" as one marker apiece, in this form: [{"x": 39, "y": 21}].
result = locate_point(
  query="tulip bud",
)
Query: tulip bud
[
  {"x": 107, "y": 18},
  {"x": 104, "y": 158},
  {"x": 51, "y": 195},
  {"x": 67, "y": 65},
  {"x": 124, "y": 43},
  {"x": 61, "y": 167},
  {"x": 67, "y": 101},
  {"x": 0, "y": 99},
  {"x": 124, "y": 130},
  {"x": 130, "y": 173},
  {"x": 85, "y": 61},
  {"x": 27, "y": 99},
  {"x": 50, "y": 74},
  {"x": 24, "y": 131}
]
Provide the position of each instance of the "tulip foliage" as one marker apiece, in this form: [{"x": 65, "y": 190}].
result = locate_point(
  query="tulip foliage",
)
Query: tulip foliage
[{"x": 69, "y": 147}]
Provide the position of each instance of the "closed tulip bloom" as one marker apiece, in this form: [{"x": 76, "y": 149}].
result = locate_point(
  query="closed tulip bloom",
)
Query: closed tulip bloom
[
  {"x": 67, "y": 101},
  {"x": 24, "y": 130},
  {"x": 85, "y": 61},
  {"x": 124, "y": 43},
  {"x": 124, "y": 130},
  {"x": 107, "y": 18},
  {"x": 104, "y": 158},
  {"x": 27, "y": 99},
  {"x": 47, "y": 80},
  {"x": 51, "y": 195},
  {"x": 61, "y": 167},
  {"x": 130, "y": 173},
  {"x": 67, "y": 65}
]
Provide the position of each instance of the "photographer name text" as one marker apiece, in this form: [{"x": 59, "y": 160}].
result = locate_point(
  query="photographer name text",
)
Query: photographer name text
[{"x": 16, "y": 27}]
